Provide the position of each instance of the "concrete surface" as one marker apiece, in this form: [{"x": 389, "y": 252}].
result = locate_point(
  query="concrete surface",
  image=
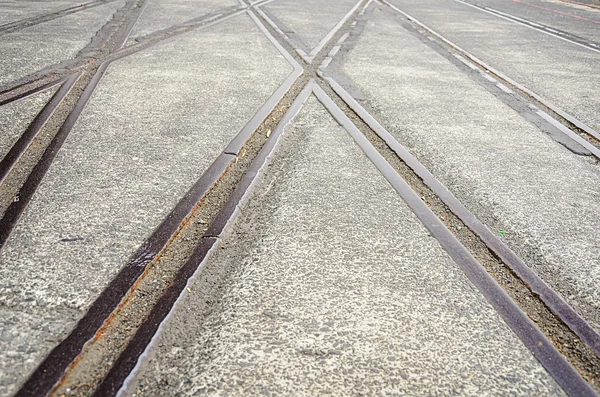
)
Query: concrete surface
[
  {"x": 16, "y": 116},
  {"x": 307, "y": 22},
  {"x": 162, "y": 14},
  {"x": 571, "y": 18},
  {"x": 506, "y": 171},
  {"x": 147, "y": 134},
  {"x": 563, "y": 73},
  {"x": 16, "y": 10},
  {"x": 28, "y": 50},
  {"x": 327, "y": 283},
  {"x": 332, "y": 286}
]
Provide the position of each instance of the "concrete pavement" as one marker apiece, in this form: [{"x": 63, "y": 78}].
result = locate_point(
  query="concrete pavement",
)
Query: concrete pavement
[
  {"x": 508, "y": 172},
  {"x": 333, "y": 287},
  {"x": 564, "y": 73},
  {"x": 112, "y": 185},
  {"x": 24, "y": 52},
  {"x": 325, "y": 277}
]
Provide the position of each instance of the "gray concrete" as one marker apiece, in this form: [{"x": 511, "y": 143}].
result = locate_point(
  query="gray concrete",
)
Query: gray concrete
[
  {"x": 505, "y": 170},
  {"x": 572, "y": 18},
  {"x": 162, "y": 14},
  {"x": 154, "y": 124},
  {"x": 307, "y": 22},
  {"x": 16, "y": 116},
  {"x": 28, "y": 50},
  {"x": 16, "y": 10},
  {"x": 563, "y": 73},
  {"x": 333, "y": 287}
]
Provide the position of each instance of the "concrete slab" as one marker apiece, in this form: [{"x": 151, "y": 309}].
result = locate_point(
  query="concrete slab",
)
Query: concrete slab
[
  {"x": 15, "y": 10},
  {"x": 162, "y": 14},
  {"x": 572, "y": 18},
  {"x": 327, "y": 284},
  {"x": 564, "y": 73},
  {"x": 511, "y": 175},
  {"x": 307, "y": 22},
  {"x": 154, "y": 124},
  {"x": 16, "y": 116},
  {"x": 28, "y": 50}
]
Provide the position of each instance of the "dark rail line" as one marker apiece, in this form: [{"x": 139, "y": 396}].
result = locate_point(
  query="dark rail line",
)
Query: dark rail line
[
  {"x": 51, "y": 370},
  {"x": 15, "y": 153},
  {"x": 592, "y": 45},
  {"x": 27, "y": 22},
  {"x": 143, "y": 337},
  {"x": 571, "y": 121},
  {"x": 545, "y": 352},
  {"x": 550, "y": 297}
]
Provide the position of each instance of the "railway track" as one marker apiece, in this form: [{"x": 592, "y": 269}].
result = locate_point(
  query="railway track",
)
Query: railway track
[{"x": 236, "y": 169}]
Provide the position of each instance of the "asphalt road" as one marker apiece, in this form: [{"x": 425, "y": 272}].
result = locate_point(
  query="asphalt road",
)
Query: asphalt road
[{"x": 297, "y": 198}]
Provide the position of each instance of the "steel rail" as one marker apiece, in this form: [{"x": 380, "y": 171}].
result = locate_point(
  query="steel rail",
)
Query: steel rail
[
  {"x": 36, "y": 20},
  {"x": 550, "y": 297},
  {"x": 13, "y": 156},
  {"x": 532, "y": 25},
  {"x": 51, "y": 370},
  {"x": 544, "y": 351},
  {"x": 571, "y": 119},
  {"x": 138, "y": 350}
]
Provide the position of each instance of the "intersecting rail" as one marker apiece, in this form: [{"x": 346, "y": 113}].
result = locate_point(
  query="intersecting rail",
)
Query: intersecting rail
[{"x": 52, "y": 368}]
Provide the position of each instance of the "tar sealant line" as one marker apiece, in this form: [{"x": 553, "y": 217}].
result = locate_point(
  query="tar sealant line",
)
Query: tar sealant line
[
  {"x": 463, "y": 60},
  {"x": 587, "y": 145},
  {"x": 511, "y": 19},
  {"x": 544, "y": 351},
  {"x": 487, "y": 77},
  {"x": 501, "y": 75},
  {"x": 32, "y": 131},
  {"x": 567, "y": 36},
  {"x": 593, "y": 149},
  {"x": 332, "y": 32},
  {"x": 550, "y": 297},
  {"x": 343, "y": 38},
  {"x": 139, "y": 350},
  {"x": 329, "y": 58},
  {"x": 506, "y": 89}
]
